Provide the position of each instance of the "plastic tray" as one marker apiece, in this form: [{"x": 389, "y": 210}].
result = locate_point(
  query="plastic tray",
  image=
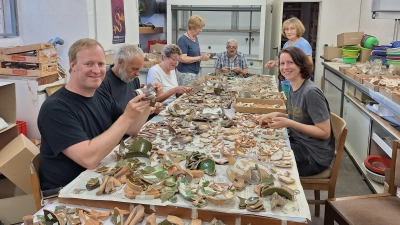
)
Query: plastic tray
[{"x": 374, "y": 176}]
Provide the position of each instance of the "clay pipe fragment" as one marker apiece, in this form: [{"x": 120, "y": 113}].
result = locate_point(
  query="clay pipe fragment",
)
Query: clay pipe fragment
[
  {"x": 125, "y": 170},
  {"x": 103, "y": 185},
  {"x": 136, "y": 216}
]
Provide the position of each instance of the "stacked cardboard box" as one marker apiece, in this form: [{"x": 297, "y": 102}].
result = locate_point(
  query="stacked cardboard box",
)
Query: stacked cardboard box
[
  {"x": 37, "y": 60},
  {"x": 16, "y": 152}
]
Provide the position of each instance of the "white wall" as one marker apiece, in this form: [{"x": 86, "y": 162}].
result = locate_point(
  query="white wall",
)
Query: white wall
[
  {"x": 341, "y": 16},
  {"x": 12, "y": 41},
  {"x": 41, "y": 20}
]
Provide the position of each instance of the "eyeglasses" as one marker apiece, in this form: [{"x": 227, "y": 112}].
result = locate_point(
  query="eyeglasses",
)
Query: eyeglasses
[
  {"x": 231, "y": 47},
  {"x": 175, "y": 60},
  {"x": 290, "y": 29}
]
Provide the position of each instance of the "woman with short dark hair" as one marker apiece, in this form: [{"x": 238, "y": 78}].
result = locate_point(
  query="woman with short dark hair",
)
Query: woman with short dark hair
[{"x": 308, "y": 115}]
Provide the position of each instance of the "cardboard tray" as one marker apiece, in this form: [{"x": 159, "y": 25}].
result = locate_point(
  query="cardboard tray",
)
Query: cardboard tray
[
  {"x": 45, "y": 69},
  {"x": 258, "y": 95},
  {"x": 360, "y": 77},
  {"x": 351, "y": 72},
  {"x": 370, "y": 85},
  {"x": 343, "y": 68},
  {"x": 38, "y": 57},
  {"x": 259, "y": 110}
]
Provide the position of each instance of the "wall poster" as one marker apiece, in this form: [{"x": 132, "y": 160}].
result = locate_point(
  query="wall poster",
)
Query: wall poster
[{"x": 118, "y": 21}]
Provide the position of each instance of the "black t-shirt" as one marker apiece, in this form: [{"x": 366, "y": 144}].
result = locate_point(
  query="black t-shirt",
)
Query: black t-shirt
[
  {"x": 65, "y": 119},
  {"x": 122, "y": 92}
]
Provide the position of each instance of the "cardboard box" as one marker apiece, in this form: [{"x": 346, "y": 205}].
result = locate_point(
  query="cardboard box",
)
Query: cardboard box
[
  {"x": 332, "y": 52},
  {"x": 343, "y": 68},
  {"x": 110, "y": 58},
  {"x": 349, "y": 38},
  {"x": 7, "y": 135},
  {"x": 15, "y": 158},
  {"x": 361, "y": 96},
  {"x": 8, "y": 103},
  {"x": 370, "y": 85},
  {"x": 156, "y": 48},
  {"x": 360, "y": 77},
  {"x": 385, "y": 92},
  {"x": 259, "y": 110},
  {"x": 351, "y": 73},
  {"x": 351, "y": 89},
  {"x": 264, "y": 95},
  {"x": 364, "y": 55},
  {"x": 14, "y": 203}
]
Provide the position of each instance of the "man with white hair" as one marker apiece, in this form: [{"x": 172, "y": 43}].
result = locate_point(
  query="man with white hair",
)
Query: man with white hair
[
  {"x": 122, "y": 78},
  {"x": 231, "y": 60}
]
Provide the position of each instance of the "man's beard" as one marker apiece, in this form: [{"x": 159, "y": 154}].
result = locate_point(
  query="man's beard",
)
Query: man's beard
[{"x": 123, "y": 75}]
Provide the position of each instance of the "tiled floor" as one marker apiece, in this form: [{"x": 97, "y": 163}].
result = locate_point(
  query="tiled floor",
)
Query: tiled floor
[{"x": 349, "y": 183}]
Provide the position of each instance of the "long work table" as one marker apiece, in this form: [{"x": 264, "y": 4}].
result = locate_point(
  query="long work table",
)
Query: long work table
[{"x": 214, "y": 143}]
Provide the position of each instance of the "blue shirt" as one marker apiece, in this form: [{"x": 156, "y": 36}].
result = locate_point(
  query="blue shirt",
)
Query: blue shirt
[
  {"x": 302, "y": 44},
  {"x": 223, "y": 60},
  {"x": 192, "y": 49}
]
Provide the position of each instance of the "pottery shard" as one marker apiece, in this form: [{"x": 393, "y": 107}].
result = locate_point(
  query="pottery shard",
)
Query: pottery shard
[
  {"x": 277, "y": 155},
  {"x": 243, "y": 169}
]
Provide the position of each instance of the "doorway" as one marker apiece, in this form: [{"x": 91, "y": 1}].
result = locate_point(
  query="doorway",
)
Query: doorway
[{"x": 307, "y": 13}]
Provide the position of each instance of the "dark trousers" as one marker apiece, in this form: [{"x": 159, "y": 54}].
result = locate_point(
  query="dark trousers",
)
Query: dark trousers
[{"x": 306, "y": 164}]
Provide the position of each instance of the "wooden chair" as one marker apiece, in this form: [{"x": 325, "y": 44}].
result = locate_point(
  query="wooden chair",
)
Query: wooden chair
[
  {"x": 326, "y": 180},
  {"x": 37, "y": 191},
  {"x": 377, "y": 209}
]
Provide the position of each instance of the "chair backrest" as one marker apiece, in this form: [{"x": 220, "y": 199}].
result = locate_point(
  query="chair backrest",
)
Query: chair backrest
[
  {"x": 34, "y": 169},
  {"x": 340, "y": 132},
  {"x": 394, "y": 178}
]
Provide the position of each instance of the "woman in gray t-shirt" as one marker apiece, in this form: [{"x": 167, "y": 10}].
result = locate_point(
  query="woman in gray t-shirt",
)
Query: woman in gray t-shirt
[{"x": 308, "y": 116}]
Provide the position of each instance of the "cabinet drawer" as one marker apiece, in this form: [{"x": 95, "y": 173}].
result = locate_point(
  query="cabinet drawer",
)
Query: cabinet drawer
[{"x": 334, "y": 79}]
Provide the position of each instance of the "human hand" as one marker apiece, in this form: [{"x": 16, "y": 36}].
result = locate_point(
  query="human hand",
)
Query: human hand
[
  {"x": 267, "y": 118},
  {"x": 225, "y": 69},
  {"x": 158, "y": 107},
  {"x": 271, "y": 64},
  {"x": 279, "y": 122},
  {"x": 237, "y": 70},
  {"x": 158, "y": 88},
  {"x": 182, "y": 89},
  {"x": 135, "y": 107},
  {"x": 204, "y": 57}
]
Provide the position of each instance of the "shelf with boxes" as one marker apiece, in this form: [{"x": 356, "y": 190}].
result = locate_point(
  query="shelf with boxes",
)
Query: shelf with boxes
[
  {"x": 36, "y": 60},
  {"x": 370, "y": 132},
  {"x": 347, "y": 40}
]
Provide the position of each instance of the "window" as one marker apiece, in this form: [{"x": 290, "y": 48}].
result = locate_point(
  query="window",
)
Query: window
[{"x": 8, "y": 18}]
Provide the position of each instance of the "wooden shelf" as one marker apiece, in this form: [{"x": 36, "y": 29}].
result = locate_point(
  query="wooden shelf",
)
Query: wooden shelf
[{"x": 149, "y": 30}]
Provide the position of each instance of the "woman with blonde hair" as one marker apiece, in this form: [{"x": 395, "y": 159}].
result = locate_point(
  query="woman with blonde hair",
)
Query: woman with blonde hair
[
  {"x": 189, "y": 66},
  {"x": 293, "y": 29}
]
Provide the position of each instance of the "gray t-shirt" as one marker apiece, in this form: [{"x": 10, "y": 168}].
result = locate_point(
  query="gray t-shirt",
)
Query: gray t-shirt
[{"x": 308, "y": 105}]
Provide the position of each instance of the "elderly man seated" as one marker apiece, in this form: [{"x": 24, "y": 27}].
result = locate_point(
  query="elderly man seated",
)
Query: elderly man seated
[{"x": 231, "y": 60}]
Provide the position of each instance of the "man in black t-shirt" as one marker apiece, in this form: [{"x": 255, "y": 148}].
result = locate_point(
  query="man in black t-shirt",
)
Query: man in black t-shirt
[{"x": 80, "y": 124}]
